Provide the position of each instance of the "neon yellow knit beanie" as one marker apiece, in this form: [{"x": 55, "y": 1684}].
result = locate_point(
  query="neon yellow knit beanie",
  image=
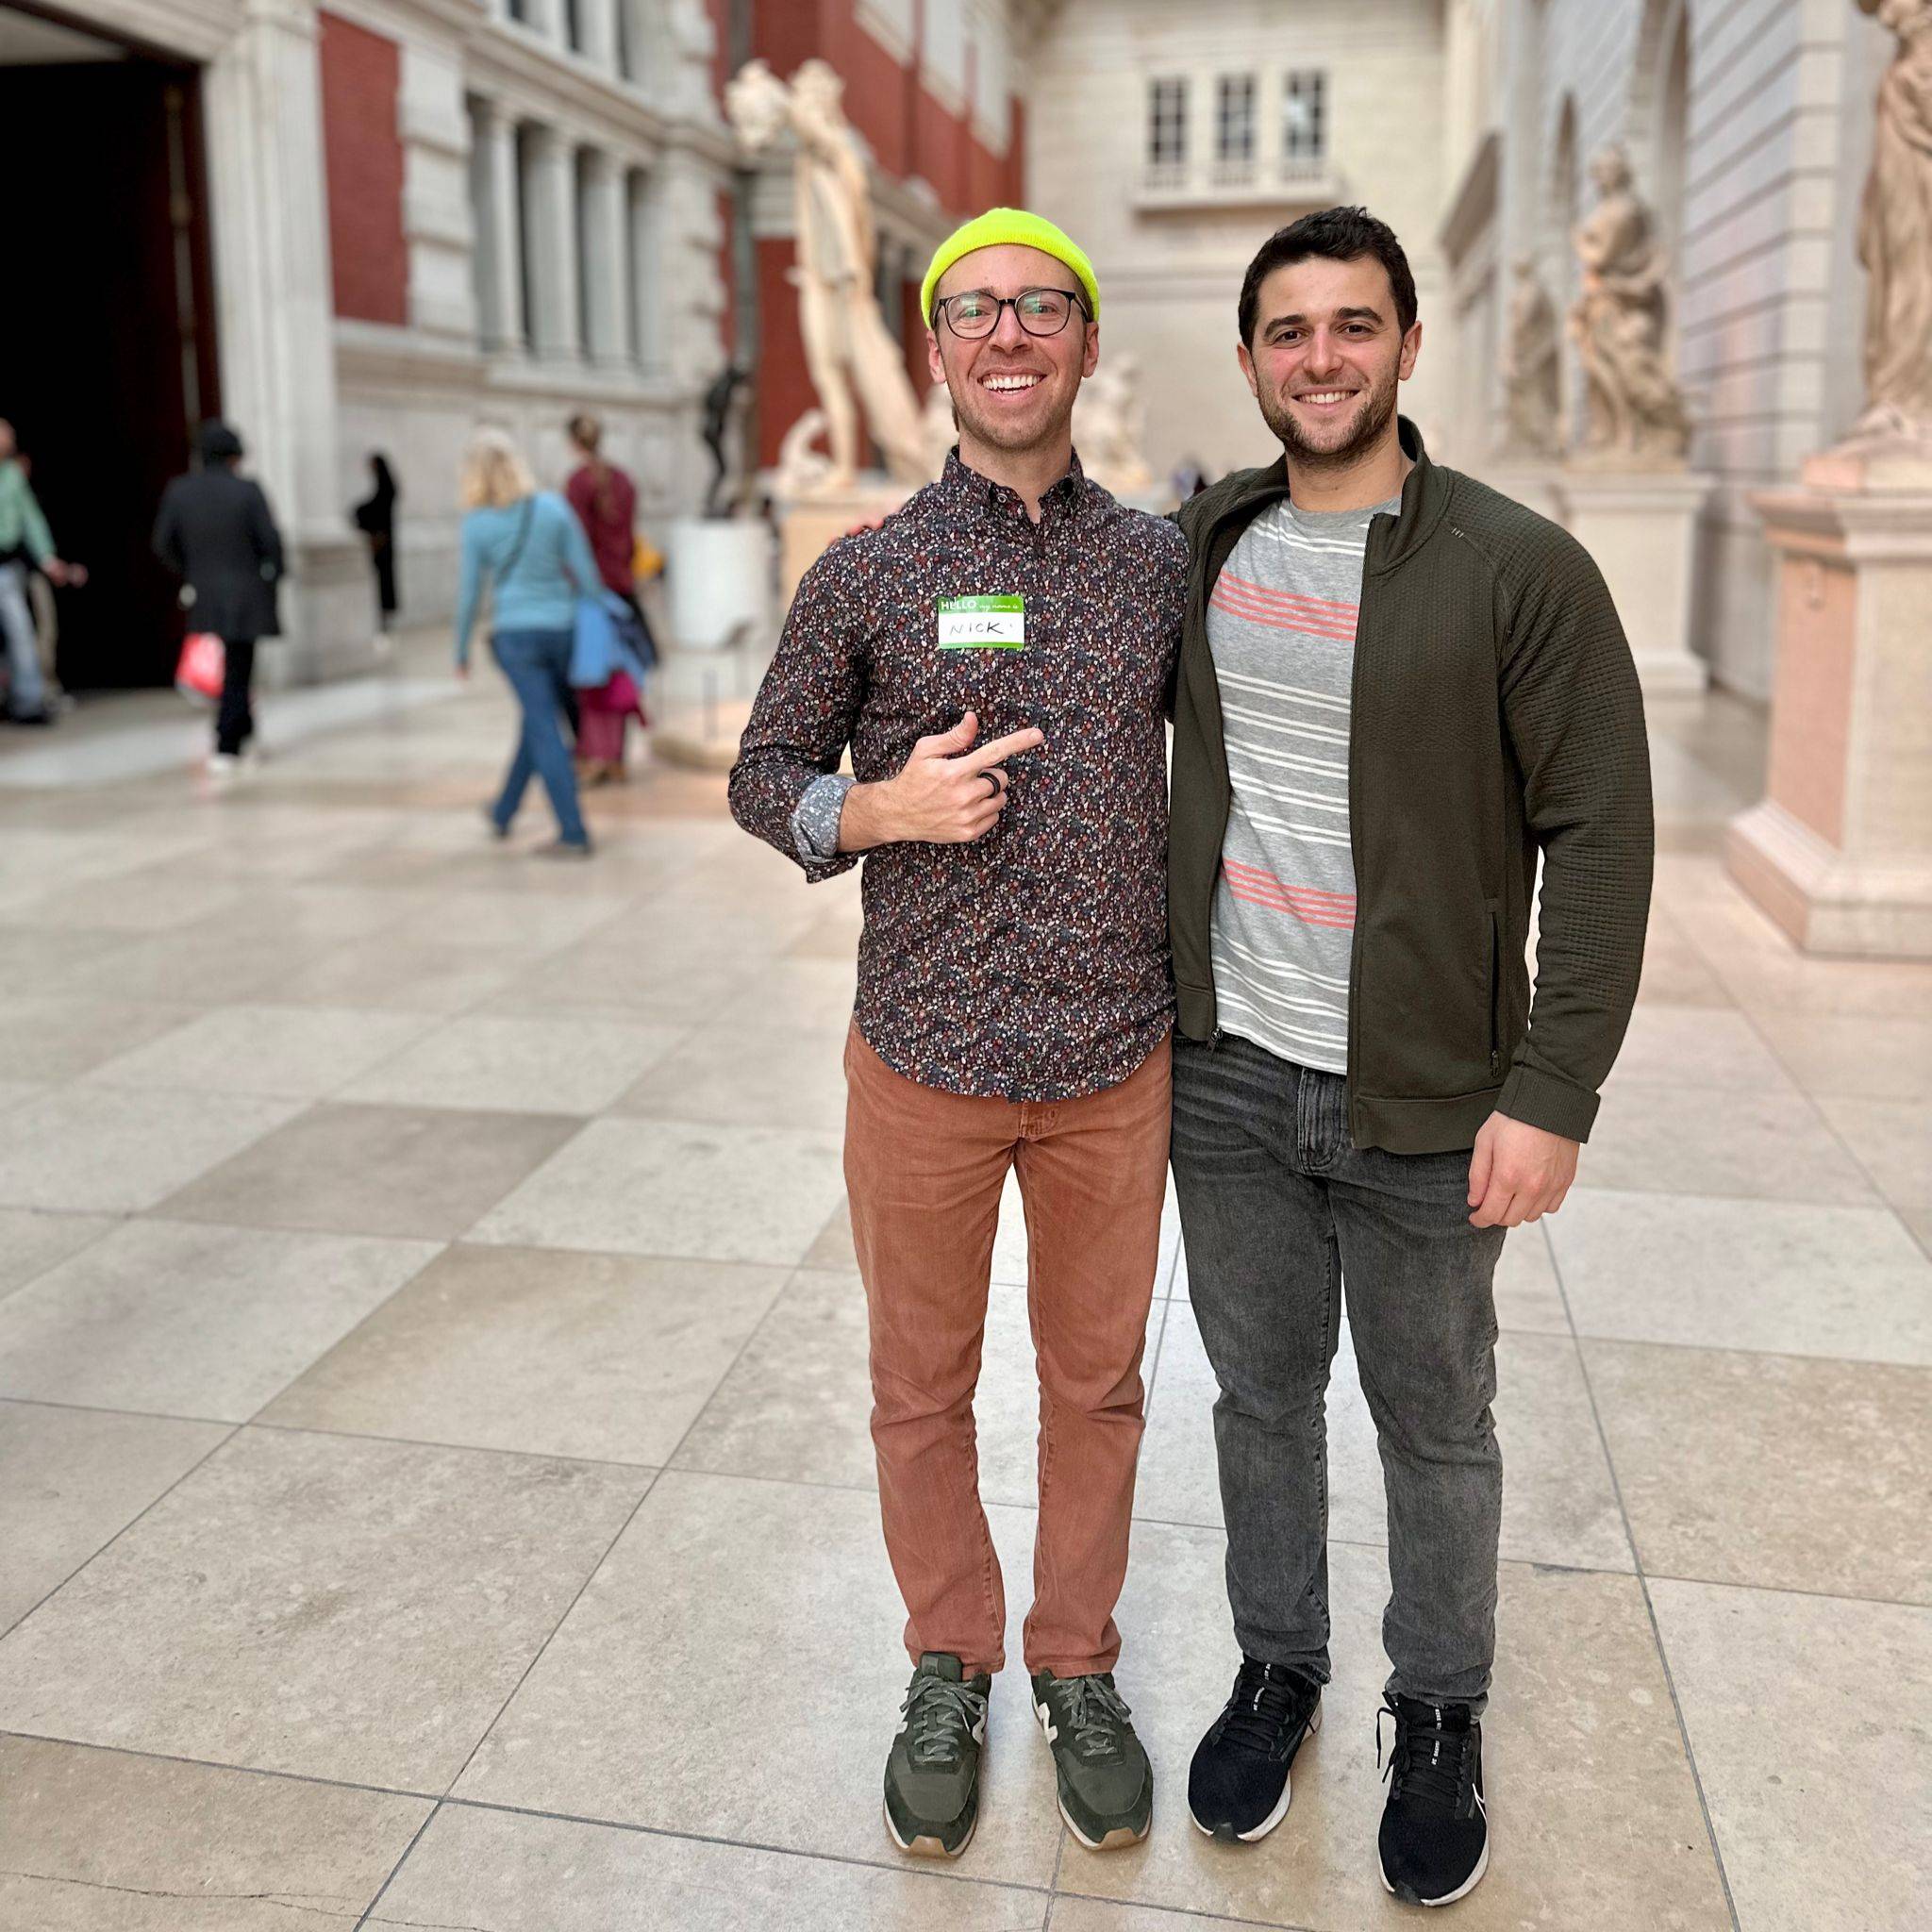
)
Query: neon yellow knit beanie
[{"x": 998, "y": 226}]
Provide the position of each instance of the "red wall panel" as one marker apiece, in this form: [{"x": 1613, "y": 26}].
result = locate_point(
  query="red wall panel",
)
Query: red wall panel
[{"x": 362, "y": 153}]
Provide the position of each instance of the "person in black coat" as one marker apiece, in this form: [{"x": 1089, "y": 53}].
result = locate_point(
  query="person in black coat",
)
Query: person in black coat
[
  {"x": 375, "y": 517},
  {"x": 215, "y": 530}
]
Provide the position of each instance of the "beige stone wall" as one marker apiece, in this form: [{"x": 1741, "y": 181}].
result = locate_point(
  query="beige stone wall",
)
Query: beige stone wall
[{"x": 1169, "y": 275}]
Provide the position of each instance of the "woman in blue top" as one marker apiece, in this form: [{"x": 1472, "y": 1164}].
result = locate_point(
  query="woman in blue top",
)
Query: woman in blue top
[{"x": 529, "y": 547}]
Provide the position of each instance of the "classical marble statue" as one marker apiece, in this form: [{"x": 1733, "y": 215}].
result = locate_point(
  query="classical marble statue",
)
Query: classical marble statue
[
  {"x": 1532, "y": 369},
  {"x": 855, "y": 364},
  {"x": 1895, "y": 231},
  {"x": 1635, "y": 413},
  {"x": 1108, "y": 424}
]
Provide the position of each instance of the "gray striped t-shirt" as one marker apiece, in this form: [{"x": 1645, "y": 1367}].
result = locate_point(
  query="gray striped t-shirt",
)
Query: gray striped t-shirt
[{"x": 1281, "y": 626}]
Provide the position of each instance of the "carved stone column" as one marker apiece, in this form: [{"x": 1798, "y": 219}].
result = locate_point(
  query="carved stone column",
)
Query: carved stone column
[
  {"x": 276, "y": 309},
  {"x": 550, "y": 231},
  {"x": 605, "y": 253},
  {"x": 499, "y": 264}
]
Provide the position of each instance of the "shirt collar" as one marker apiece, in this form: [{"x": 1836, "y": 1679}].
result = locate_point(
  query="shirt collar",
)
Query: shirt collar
[{"x": 966, "y": 490}]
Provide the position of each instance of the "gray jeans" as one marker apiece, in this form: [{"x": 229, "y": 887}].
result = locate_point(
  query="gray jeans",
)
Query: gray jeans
[
  {"x": 26, "y": 690},
  {"x": 1280, "y": 1212}
]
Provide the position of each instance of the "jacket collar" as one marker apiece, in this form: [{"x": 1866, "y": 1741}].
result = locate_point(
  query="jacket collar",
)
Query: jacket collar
[{"x": 1425, "y": 495}]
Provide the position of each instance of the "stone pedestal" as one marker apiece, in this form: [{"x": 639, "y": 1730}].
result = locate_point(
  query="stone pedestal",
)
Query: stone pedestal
[
  {"x": 809, "y": 525},
  {"x": 1641, "y": 526},
  {"x": 718, "y": 579},
  {"x": 1840, "y": 850}
]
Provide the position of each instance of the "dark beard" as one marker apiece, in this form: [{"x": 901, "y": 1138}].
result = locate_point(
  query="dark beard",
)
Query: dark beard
[{"x": 1370, "y": 427}]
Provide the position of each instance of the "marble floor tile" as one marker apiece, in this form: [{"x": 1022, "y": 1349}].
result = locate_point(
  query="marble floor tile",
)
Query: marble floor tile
[
  {"x": 815, "y": 994},
  {"x": 716, "y": 1578},
  {"x": 1831, "y": 1836},
  {"x": 304, "y": 1052},
  {"x": 33, "y": 1241},
  {"x": 1773, "y": 1470},
  {"x": 210, "y": 963},
  {"x": 376, "y": 1170},
  {"x": 1893, "y": 1141},
  {"x": 73, "y": 1478},
  {"x": 797, "y": 1404},
  {"x": 111, "y": 1150},
  {"x": 1797, "y": 1278},
  {"x": 427, "y": 977},
  {"x": 610, "y": 978},
  {"x": 600, "y": 1356},
  {"x": 1560, "y": 1504},
  {"x": 1852, "y": 1056},
  {"x": 833, "y": 1248},
  {"x": 1525, "y": 1287},
  {"x": 533, "y": 1065},
  {"x": 337, "y": 1608},
  {"x": 156, "y": 899},
  {"x": 780, "y": 1076},
  {"x": 475, "y": 1867},
  {"x": 671, "y": 1187},
  {"x": 128, "y": 1323},
  {"x": 1696, "y": 1046},
  {"x": 1590, "y": 1796},
  {"x": 1702, "y": 1140},
  {"x": 527, "y": 923},
  {"x": 1675, "y": 973},
  {"x": 53, "y": 1037},
  {"x": 95, "y": 1840}
]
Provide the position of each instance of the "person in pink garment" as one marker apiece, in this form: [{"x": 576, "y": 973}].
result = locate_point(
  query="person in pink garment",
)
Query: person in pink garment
[{"x": 605, "y": 501}]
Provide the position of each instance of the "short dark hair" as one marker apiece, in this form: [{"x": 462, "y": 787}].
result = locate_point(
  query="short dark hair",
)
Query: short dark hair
[
  {"x": 586, "y": 432},
  {"x": 1336, "y": 234}
]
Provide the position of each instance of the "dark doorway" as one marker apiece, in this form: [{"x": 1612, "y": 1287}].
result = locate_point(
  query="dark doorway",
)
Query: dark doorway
[{"x": 106, "y": 340}]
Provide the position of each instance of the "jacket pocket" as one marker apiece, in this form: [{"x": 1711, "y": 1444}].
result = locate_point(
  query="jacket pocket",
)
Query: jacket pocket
[{"x": 1495, "y": 912}]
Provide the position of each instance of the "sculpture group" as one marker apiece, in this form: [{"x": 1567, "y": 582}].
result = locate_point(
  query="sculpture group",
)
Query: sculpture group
[{"x": 858, "y": 367}]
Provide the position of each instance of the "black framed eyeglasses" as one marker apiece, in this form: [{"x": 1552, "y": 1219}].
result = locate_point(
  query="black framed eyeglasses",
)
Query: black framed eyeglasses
[{"x": 976, "y": 312}]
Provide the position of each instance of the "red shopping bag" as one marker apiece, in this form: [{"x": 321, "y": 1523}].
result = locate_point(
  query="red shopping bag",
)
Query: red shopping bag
[{"x": 201, "y": 666}]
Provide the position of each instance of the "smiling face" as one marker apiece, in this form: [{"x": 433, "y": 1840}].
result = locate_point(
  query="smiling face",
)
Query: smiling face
[
  {"x": 1011, "y": 391},
  {"x": 1327, "y": 354}
]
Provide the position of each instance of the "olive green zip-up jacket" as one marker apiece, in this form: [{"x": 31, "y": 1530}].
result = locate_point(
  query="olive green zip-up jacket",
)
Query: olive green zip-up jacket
[{"x": 1495, "y": 714}]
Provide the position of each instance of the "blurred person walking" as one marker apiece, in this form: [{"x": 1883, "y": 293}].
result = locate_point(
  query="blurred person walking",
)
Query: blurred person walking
[
  {"x": 528, "y": 548},
  {"x": 216, "y": 531},
  {"x": 375, "y": 517},
  {"x": 605, "y": 501},
  {"x": 25, "y": 544}
]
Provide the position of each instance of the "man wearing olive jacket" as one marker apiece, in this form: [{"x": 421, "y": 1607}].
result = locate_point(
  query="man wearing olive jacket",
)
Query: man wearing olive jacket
[{"x": 1396, "y": 690}]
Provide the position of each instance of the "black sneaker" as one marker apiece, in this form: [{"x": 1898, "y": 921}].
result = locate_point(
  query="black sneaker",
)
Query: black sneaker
[
  {"x": 1238, "y": 1785},
  {"x": 1434, "y": 1844},
  {"x": 1105, "y": 1783},
  {"x": 932, "y": 1776}
]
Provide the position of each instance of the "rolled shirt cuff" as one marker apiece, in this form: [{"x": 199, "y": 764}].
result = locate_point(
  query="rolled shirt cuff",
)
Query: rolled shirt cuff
[{"x": 815, "y": 818}]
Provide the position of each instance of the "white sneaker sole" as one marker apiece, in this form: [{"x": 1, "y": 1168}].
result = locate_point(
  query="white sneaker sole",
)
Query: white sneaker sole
[
  {"x": 1122, "y": 1835},
  {"x": 922, "y": 1846},
  {"x": 1260, "y": 1831},
  {"x": 1448, "y": 1898}
]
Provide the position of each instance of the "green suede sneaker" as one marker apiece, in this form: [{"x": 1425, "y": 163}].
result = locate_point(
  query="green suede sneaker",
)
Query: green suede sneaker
[
  {"x": 932, "y": 1777},
  {"x": 1105, "y": 1783}
]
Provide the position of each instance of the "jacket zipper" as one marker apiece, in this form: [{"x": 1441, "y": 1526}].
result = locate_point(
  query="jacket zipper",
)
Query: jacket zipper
[
  {"x": 1495, "y": 992},
  {"x": 1378, "y": 527}
]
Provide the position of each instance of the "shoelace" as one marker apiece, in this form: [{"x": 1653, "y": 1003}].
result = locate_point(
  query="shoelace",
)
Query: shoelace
[
  {"x": 1425, "y": 1764},
  {"x": 1260, "y": 1709},
  {"x": 939, "y": 1717},
  {"x": 1094, "y": 1712}
]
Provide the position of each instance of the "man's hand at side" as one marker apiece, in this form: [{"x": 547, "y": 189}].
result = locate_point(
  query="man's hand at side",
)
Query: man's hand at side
[
  {"x": 1518, "y": 1173},
  {"x": 947, "y": 794}
]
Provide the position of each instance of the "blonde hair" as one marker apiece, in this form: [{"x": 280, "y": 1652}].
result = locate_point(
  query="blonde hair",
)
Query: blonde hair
[{"x": 495, "y": 472}]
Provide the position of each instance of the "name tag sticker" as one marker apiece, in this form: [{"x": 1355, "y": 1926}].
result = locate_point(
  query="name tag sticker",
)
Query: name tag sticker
[{"x": 982, "y": 623}]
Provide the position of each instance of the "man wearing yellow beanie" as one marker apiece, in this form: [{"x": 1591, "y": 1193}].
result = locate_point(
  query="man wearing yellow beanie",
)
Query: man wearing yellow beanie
[{"x": 997, "y": 656}]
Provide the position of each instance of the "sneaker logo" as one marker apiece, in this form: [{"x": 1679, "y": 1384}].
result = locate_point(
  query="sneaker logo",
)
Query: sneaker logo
[
  {"x": 979, "y": 1732},
  {"x": 1480, "y": 1805}
]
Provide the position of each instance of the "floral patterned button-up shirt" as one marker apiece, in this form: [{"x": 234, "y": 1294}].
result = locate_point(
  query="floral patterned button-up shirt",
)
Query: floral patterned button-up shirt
[{"x": 1031, "y": 965}]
